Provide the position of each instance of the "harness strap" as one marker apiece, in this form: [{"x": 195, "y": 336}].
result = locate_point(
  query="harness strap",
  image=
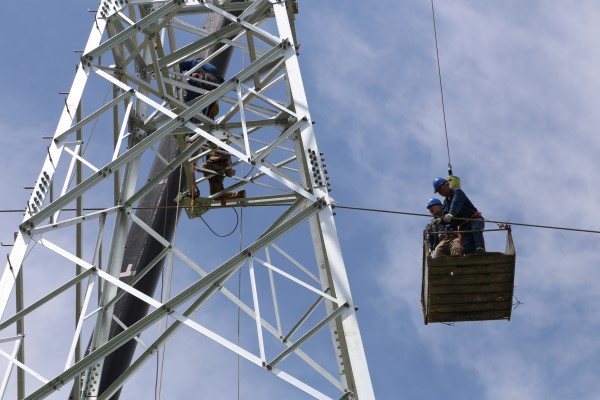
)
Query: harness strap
[{"x": 475, "y": 215}]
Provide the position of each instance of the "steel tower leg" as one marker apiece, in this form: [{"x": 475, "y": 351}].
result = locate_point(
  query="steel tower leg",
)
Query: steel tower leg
[{"x": 298, "y": 321}]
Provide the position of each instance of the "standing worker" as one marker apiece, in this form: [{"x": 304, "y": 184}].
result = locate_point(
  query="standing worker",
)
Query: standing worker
[{"x": 462, "y": 215}]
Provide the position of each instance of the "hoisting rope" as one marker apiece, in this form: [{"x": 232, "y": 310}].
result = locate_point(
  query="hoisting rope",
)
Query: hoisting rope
[{"x": 437, "y": 54}]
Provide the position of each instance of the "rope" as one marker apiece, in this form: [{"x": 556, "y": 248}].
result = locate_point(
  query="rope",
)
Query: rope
[
  {"x": 239, "y": 310},
  {"x": 437, "y": 54},
  {"x": 165, "y": 296}
]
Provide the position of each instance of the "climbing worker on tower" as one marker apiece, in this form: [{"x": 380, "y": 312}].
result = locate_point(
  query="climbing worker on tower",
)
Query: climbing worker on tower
[
  {"x": 218, "y": 161},
  {"x": 441, "y": 243},
  {"x": 462, "y": 215}
]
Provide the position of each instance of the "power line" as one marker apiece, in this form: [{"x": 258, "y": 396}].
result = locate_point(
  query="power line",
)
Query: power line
[
  {"x": 487, "y": 220},
  {"x": 560, "y": 228}
]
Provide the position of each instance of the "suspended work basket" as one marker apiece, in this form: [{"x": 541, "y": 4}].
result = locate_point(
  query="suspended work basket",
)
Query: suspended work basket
[{"x": 476, "y": 287}]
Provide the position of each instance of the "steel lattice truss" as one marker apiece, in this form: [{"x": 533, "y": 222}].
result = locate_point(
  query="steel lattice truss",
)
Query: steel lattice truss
[{"x": 261, "y": 296}]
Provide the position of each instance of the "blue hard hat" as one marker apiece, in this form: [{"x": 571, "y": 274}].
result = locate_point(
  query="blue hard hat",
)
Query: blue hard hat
[
  {"x": 211, "y": 69},
  {"x": 433, "y": 201},
  {"x": 437, "y": 183}
]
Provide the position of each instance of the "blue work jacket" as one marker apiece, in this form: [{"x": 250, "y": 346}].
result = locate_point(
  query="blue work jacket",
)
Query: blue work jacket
[{"x": 459, "y": 205}]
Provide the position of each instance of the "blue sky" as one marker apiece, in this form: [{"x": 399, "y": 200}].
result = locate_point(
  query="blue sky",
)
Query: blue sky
[{"x": 521, "y": 92}]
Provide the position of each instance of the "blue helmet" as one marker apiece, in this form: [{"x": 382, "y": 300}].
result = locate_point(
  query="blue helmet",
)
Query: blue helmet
[
  {"x": 211, "y": 69},
  {"x": 433, "y": 201},
  {"x": 437, "y": 183}
]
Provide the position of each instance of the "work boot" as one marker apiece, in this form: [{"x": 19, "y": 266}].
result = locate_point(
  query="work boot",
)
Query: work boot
[
  {"x": 480, "y": 250},
  {"x": 232, "y": 195},
  {"x": 238, "y": 195}
]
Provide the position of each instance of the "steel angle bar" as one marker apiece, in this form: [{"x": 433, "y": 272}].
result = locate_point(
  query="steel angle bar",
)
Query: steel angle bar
[
  {"x": 246, "y": 146},
  {"x": 146, "y": 44},
  {"x": 99, "y": 239},
  {"x": 288, "y": 184},
  {"x": 123, "y": 130},
  {"x": 252, "y": 8},
  {"x": 308, "y": 335},
  {"x": 126, "y": 34},
  {"x": 299, "y": 282},
  {"x": 79, "y": 326},
  {"x": 115, "y": 27},
  {"x": 303, "y": 319},
  {"x": 69, "y": 174},
  {"x": 140, "y": 275},
  {"x": 260, "y": 111},
  {"x": 24, "y": 367},
  {"x": 75, "y": 157},
  {"x": 274, "y": 295},
  {"x": 285, "y": 135},
  {"x": 17, "y": 254},
  {"x": 37, "y": 304},
  {"x": 257, "y": 318},
  {"x": 170, "y": 331},
  {"x": 287, "y": 214},
  {"x": 273, "y": 55},
  {"x": 103, "y": 275},
  {"x": 108, "y": 106},
  {"x": 144, "y": 2},
  {"x": 11, "y": 338},
  {"x": 130, "y": 81},
  {"x": 276, "y": 173},
  {"x": 276, "y": 334},
  {"x": 295, "y": 262},
  {"x": 189, "y": 262},
  {"x": 229, "y": 7},
  {"x": 273, "y": 103},
  {"x": 180, "y": 25},
  {"x": 264, "y": 35},
  {"x": 268, "y": 327},
  {"x": 9, "y": 368},
  {"x": 136, "y": 338},
  {"x": 261, "y": 200},
  {"x": 170, "y": 167},
  {"x": 279, "y": 147},
  {"x": 211, "y": 279},
  {"x": 300, "y": 385},
  {"x": 148, "y": 229},
  {"x": 196, "y": 47},
  {"x": 256, "y": 124},
  {"x": 123, "y": 17},
  {"x": 129, "y": 155}
]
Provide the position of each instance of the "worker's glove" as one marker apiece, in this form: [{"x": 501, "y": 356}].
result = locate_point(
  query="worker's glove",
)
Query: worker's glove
[
  {"x": 448, "y": 217},
  {"x": 436, "y": 221},
  {"x": 428, "y": 228}
]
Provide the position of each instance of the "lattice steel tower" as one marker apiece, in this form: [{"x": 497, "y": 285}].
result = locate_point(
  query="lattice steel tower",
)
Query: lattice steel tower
[{"x": 111, "y": 290}]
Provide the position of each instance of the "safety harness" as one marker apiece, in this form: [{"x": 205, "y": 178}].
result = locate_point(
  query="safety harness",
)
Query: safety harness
[{"x": 464, "y": 222}]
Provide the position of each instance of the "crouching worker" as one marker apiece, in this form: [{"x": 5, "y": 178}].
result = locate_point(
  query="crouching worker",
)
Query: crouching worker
[
  {"x": 462, "y": 215},
  {"x": 218, "y": 162},
  {"x": 441, "y": 241}
]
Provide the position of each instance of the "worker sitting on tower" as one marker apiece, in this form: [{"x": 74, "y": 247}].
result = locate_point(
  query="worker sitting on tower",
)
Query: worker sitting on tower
[
  {"x": 218, "y": 162},
  {"x": 462, "y": 215},
  {"x": 441, "y": 242}
]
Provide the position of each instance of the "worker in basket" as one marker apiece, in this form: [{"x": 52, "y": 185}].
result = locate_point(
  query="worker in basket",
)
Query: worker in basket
[
  {"x": 460, "y": 213},
  {"x": 441, "y": 242}
]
